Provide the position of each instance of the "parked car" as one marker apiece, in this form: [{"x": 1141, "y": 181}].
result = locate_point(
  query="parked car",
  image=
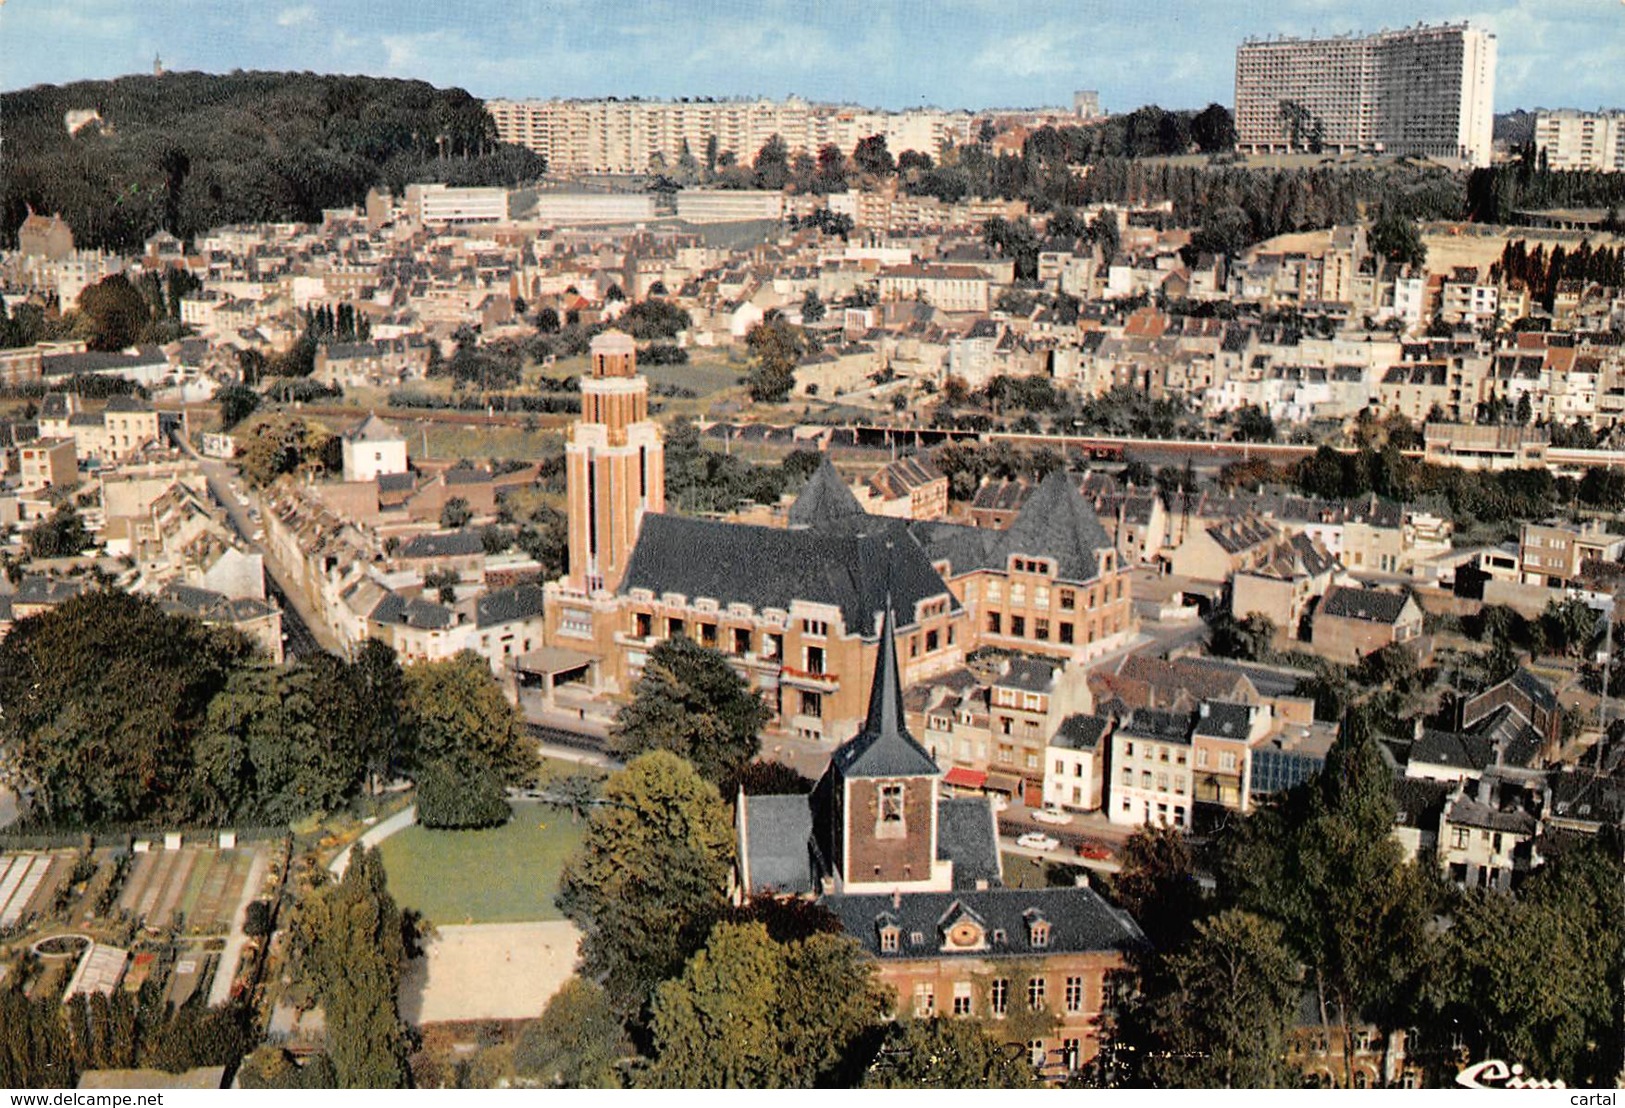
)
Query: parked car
[
  {"x": 1051, "y": 814},
  {"x": 1037, "y": 840},
  {"x": 1093, "y": 851}
]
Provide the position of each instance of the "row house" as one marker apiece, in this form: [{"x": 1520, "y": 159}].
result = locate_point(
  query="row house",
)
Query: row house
[
  {"x": 1220, "y": 550},
  {"x": 1285, "y": 589},
  {"x": 999, "y": 723},
  {"x": 952, "y": 288}
]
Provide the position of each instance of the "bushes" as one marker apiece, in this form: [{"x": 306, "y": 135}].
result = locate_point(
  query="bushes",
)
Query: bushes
[{"x": 449, "y": 801}]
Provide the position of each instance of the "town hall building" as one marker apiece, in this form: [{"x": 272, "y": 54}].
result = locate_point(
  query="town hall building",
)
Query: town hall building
[{"x": 794, "y": 607}]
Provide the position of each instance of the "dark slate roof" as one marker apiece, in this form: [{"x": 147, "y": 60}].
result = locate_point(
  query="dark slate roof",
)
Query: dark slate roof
[
  {"x": 127, "y": 404},
  {"x": 1375, "y": 605},
  {"x": 1080, "y": 732},
  {"x": 209, "y": 605},
  {"x": 1467, "y": 812},
  {"x": 824, "y": 499},
  {"x": 967, "y": 838},
  {"x": 373, "y": 429},
  {"x": 1080, "y": 921},
  {"x": 1419, "y": 803},
  {"x": 1149, "y": 723},
  {"x": 38, "y": 589},
  {"x": 1535, "y": 689},
  {"x": 884, "y": 748},
  {"x": 1582, "y": 795},
  {"x": 96, "y": 361},
  {"x": 1219, "y": 720},
  {"x": 1516, "y": 743},
  {"x": 444, "y": 544},
  {"x": 417, "y": 612},
  {"x": 397, "y": 482},
  {"x": 53, "y": 405},
  {"x": 1452, "y": 749},
  {"x": 1027, "y": 674},
  {"x": 779, "y": 844},
  {"x": 1056, "y": 523},
  {"x": 849, "y": 564},
  {"x": 507, "y": 605},
  {"x": 1001, "y": 495}
]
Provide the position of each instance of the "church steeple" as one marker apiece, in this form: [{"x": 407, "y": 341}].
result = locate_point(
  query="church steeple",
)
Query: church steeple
[
  {"x": 884, "y": 748},
  {"x": 881, "y": 789}
]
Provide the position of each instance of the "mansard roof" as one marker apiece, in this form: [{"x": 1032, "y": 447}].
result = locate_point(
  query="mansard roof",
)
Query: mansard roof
[
  {"x": 1056, "y": 523},
  {"x": 848, "y": 563}
]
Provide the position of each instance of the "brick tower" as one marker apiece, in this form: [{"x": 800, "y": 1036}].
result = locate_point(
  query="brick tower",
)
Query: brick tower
[{"x": 615, "y": 466}]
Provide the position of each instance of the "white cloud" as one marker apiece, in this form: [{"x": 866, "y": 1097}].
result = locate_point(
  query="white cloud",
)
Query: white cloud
[{"x": 302, "y": 16}]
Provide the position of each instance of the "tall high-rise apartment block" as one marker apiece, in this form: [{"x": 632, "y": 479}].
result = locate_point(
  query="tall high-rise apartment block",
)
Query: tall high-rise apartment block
[
  {"x": 637, "y": 136},
  {"x": 1582, "y": 140},
  {"x": 1424, "y": 91}
]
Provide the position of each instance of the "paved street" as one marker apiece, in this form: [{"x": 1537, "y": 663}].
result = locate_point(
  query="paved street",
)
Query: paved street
[{"x": 305, "y": 634}]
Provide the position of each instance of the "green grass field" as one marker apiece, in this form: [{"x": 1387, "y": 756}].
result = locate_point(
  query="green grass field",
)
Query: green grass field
[{"x": 505, "y": 875}]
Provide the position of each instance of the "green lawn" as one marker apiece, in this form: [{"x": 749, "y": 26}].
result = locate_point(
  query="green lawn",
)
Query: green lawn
[{"x": 505, "y": 875}]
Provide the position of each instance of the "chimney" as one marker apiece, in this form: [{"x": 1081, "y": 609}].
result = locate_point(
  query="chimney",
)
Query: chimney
[{"x": 896, "y": 899}]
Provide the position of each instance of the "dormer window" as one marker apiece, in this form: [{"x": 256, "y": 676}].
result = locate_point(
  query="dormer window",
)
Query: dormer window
[
  {"x": 890, "y": 938},
  {"x": 1037, "y": 930}
]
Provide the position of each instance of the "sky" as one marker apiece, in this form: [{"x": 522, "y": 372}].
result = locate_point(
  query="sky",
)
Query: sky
[{"x": 879, "y": 53}]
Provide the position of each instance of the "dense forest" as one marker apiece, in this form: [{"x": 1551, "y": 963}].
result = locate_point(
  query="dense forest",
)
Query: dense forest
[{"x": 185, "y": 152}]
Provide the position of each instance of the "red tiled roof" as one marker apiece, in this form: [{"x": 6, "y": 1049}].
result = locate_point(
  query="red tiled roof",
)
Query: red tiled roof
[{"x": 963, "y": 778}]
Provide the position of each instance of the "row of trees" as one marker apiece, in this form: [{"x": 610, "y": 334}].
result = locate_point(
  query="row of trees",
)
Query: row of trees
[
  {"x": 1541, "y": 272},
  {"x": 699, "y": 479},
  {"x": 208, "y": 732},
  {"x": 46, "y": 1044}
]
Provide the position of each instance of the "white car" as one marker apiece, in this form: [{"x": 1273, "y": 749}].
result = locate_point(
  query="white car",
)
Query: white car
[
  {"x": 1037, "y": 840},
  {"x": 1052, "y": 814}
]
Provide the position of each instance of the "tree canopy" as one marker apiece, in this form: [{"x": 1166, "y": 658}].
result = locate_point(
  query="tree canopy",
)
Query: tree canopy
[
  {"x": 650, "y": 877},
  {"x": 186, "y": 152},
  {"x": 691, "y": 702},
  {"x": 350, "y": 952}
]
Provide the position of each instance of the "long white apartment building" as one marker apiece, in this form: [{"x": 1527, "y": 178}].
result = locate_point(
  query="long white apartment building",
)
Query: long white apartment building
[
  {"x": 637, "y": 136},
  {"x": 1421, "y": 91},
  {"x": 1582, "y": 140},
  {"x": 436, "y": 203}
]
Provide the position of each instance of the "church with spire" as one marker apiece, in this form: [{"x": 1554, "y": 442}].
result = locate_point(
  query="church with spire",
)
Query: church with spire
[
  {"x": 794, "y": 607},
  {"x": 915, "y": 876}
]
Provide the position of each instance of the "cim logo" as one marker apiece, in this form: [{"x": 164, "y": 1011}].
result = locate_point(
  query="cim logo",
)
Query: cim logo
[{"x": 1496, "y": 1074}]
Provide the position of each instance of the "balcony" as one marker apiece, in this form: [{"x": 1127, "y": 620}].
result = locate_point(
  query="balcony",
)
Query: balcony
[{"x": 813, "y": 682}]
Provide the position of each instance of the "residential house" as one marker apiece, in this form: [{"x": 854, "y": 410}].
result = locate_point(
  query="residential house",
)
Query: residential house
[
  {"x": 373, "y": 448},
  {"x": 1075, "y": 763},
  {"x": 1352, "y": 622},
  {"x": 909, "y": 488},
  {"x": 1284, "y": 589},
  {"x": 1552, "y": 553}
]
